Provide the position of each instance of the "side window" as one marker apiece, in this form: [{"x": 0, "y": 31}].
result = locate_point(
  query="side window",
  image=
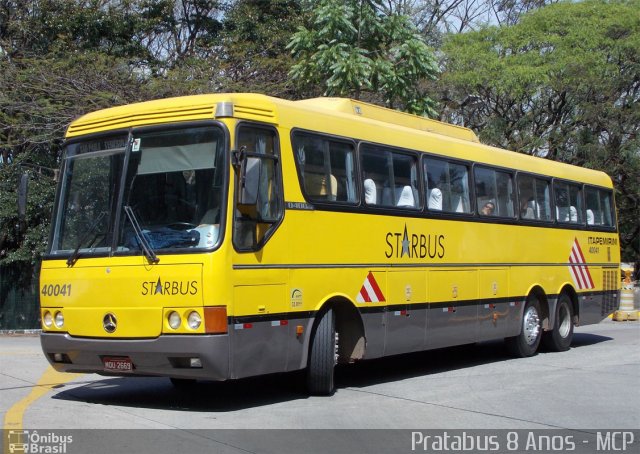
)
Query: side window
[
  {"x": 534, "y": 196},
  {"x": 446, "y": 186},
  {"x": 599, "y": 207},
  {"x": 259, "y": 203},
  {"x": 389, "y": 177},
  {"x": 326, "y": 168},
  {"x": 543, "y": 199},
  {"x": 568, "y": 202},
  {"x": 494, "y": 192}
]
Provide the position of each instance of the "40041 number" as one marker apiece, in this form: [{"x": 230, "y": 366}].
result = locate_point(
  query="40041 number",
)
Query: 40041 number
[{"x": 56, "y": 290}]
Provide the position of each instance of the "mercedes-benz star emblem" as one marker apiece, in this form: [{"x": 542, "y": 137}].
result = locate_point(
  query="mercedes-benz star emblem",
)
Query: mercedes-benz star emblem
[{"x": 109, "y": 323}]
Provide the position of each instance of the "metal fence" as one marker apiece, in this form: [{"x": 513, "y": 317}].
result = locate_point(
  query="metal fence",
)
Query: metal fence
[{"x": 19, "y": 303}]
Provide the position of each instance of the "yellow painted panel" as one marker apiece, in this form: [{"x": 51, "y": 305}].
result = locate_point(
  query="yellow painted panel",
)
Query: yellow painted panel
[
  {"x": 406, "y": 287},
  {"x": 260, "y": 299},
  {"x": 171, "y": 285},
  {"x": 493, "y": 283},
  {"x": 453, "y": 286}
]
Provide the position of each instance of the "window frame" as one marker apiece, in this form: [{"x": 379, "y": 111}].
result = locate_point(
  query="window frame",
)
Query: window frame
[
  {"x": 130, "y": 132},
  {"x": 581, "y": 213},
  {"x": 277, "y": 157},
  {"x": 492, "y": 218},
  {"x": 472, "y": 199},
  {"x": 422, "y": 210},
  {"x": 416, "y": 155},
  {"x": 614, "y": 215},
  {"x": 334, "y": 204},
  {"x": 549, "y": 180}
]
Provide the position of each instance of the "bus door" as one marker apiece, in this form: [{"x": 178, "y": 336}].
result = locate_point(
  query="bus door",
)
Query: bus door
[{"x": 260, "y": 322}]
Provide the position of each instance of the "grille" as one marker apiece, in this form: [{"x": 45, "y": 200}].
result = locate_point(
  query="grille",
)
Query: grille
[{"x": 610, "y": 291}]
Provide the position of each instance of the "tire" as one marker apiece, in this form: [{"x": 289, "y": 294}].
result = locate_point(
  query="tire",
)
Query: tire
[
  {"x": 526, "y": 343},
  {"x": 560, "y": 337},
  {"x": 322, "y": 357},
  {"x": 182, "y": 383}
]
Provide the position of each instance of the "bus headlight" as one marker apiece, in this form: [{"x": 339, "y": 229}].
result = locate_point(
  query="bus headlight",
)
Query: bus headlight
[
  {"x": 47, "y": 319},
  {"x": 174, "y": 320},
  {"x": 59, "y": 319},
  {"x": 194, "y": 320}
]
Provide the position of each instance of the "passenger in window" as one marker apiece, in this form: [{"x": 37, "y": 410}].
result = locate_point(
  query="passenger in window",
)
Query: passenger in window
[
  {"x": 488, "y": 209},
  {"x": 590, "y": 217},
  {"x": 527, "y": 208}
]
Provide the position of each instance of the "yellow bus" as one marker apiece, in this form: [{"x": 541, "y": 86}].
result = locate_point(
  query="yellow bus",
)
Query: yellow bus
[{"x": 231, "y": 235}]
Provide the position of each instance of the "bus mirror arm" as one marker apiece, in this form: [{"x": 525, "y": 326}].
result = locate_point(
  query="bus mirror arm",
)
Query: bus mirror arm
[{"x": 237, "y": 157}]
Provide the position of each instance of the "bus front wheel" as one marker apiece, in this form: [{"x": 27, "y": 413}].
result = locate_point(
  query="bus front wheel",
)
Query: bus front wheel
[
  {"x": 182, "y": 383},
  {"x": 322, "y": 356},
  {"x": 526, "y": 343},
  {"x": 560, "y": 337}
]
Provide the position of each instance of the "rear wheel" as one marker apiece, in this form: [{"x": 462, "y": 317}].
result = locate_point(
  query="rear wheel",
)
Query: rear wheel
[
  {"x": 560, "y": 337},
  {"x": 322, "y": 356},
  {"x": 526, "y": 343}
]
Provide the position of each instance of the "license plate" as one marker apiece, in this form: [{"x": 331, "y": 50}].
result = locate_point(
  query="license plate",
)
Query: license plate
[{"x": 117, "y": 364}]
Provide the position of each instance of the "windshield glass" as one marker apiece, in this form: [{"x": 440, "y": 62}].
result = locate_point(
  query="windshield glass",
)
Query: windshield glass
[
  {"x": 91, "y": 178},
  {"x": 173, "y": 187}
]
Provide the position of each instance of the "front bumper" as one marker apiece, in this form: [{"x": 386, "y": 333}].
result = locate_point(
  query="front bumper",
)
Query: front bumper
[{"x": 166, "y": 356}]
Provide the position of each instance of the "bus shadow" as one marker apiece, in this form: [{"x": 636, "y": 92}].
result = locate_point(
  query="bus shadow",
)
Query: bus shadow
[
  {"x": 233, "y": 395},
  {"x": 205, "y": 396},
  {"x": 433, "y": 362},
  {"x": 586, "y": 339},
  {"x": 411, "y": 365}
]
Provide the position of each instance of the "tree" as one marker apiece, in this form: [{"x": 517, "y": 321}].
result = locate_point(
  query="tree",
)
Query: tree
[
  {"x": 254, "y": 42},
  {"x": 351, "y": 48},
  {"x": 61, "y": 59},
  {"x": 563, "y": 83},
  {"x": 436, "y": 19}
]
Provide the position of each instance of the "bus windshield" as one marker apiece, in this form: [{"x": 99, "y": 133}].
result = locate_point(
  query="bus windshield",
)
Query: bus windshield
[{"x": 173, "y": 186}]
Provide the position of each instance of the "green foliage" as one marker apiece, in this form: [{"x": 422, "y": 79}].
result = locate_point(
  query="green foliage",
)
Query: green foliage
[
  {"x": 562, "y": 83},
  {"x": 350, "y": 48},
  {"x": 254, "y": 39},
  {"x": 24, "y": 241}
]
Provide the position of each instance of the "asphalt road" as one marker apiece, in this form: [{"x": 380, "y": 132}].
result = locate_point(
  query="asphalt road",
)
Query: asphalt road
[{"x": 595, "y": 385}]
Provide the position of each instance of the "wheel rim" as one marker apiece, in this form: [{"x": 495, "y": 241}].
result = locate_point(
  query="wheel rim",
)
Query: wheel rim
[
  {"x": 564, "y": 326},
  {"x": 531, "y": 325}
]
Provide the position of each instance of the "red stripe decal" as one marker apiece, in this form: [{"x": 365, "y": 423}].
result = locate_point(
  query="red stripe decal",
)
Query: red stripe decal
[{"x": 374, "y": 286}]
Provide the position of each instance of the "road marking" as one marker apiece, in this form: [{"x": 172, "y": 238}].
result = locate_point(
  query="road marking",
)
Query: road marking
[{"x": 49, "y": 380}]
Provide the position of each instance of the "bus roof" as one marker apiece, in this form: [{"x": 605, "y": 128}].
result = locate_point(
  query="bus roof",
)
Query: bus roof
[{"x": 360, "y": 120}]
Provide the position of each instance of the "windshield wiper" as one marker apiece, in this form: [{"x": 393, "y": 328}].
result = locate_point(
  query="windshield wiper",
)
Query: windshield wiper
[
  {"x": 75, "y": 255},
  {"x": 142, "y": 240}
]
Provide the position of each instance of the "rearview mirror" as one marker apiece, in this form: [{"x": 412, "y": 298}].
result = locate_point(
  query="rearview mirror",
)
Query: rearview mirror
[{"x": 249, "y": 180}]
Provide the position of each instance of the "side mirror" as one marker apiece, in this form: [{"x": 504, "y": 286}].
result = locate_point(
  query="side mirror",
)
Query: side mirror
[
  {"x": 23, "y": 189},
  {"x": 250, "y": 173}
]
